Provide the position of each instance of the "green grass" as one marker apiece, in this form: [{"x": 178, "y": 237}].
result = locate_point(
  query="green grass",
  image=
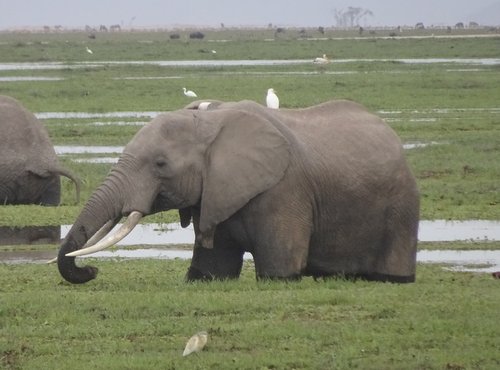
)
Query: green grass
[{"x": 139, "y": 314}]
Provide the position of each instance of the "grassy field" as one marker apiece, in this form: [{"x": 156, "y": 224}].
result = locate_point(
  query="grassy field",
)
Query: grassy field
[{"x": 139, "y": 314}]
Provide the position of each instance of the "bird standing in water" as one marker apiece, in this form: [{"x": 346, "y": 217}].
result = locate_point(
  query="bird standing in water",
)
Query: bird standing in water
[
  {"x": 272, "y": 100},
  {"x": 321, "y": 60},
  {"x": 196, "y": 343}
]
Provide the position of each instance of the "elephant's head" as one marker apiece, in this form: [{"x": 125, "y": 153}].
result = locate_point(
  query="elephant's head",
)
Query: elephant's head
[{"x": 215, "y": 161}]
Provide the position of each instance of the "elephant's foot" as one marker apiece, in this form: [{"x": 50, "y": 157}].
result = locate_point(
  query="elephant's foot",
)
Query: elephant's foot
[
  {"x": 294, "y": 277},
  {"x": 193, "y": 274},
  {"x": 363, "y": 276}
]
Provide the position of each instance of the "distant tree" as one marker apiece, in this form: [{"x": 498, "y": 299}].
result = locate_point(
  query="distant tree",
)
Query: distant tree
[
  {"x": 419, "y": 26},
  {"x": 473, "y": 24},
  {"x": 459, "y": 25},
  {"x": 350, "y": 17},
  {"x": 222, "y": 25},
  {"x": 321, "y": 30},
  {"x": 175, "y": 36}
]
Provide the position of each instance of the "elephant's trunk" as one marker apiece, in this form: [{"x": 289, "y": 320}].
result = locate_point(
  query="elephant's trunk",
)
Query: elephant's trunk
[{"x": 104, "y": 205}]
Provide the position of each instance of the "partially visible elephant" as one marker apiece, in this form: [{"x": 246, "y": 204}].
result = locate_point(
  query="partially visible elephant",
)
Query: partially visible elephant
[
  {"x": 29, "y": 167},
  {"x": 320, "y": 191}
]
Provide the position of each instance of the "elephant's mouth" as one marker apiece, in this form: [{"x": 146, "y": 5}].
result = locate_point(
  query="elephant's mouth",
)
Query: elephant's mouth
[{"x": 167, "y": 200}]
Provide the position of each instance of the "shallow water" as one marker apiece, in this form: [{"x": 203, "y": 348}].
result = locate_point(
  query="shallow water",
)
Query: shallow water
[
  {"x": 76, "y": 149},
  {"x": 429, "y": 231},
  {"x": 167, "y": 236},
  {"x": 82, "y": 115},
  {"x": 29, "y": 78},
  {"x": 218, "y": 63}
]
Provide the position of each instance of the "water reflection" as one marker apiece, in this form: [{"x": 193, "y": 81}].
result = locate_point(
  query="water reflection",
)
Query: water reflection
[{"x": 30, "y": 235}]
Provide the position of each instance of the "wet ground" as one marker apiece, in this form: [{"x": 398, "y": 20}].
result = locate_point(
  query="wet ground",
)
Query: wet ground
[
  {"x": 163, "y": 242},
  {"x": 226, "y": 63}
]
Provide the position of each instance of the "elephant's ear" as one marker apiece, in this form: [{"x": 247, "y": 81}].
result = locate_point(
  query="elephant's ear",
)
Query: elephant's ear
[{"x": 248, "y": 156}]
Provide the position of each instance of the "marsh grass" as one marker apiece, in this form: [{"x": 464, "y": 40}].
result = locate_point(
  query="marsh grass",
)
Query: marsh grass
[
  {"x": 448, "y": 104},
  {"x": 139, "y": 314}
]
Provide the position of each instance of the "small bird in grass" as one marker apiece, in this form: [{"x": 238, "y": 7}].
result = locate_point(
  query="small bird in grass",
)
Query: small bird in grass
[
  {"x": 272, "y": 100},
  {"x": 321, "y": 60},
  {"x": 196, "y": 343},
  {"x": 189, "y": 93},
  {"x": 89, "y": 51}
]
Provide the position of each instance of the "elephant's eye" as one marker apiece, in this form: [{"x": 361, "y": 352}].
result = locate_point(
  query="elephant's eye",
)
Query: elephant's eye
[{"x": 160, "y": 163}]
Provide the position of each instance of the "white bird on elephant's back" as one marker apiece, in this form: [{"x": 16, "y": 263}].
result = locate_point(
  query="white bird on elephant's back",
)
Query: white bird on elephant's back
[
  {"x": 272, "y": 100},
  {"x": 196, "y": 343}
]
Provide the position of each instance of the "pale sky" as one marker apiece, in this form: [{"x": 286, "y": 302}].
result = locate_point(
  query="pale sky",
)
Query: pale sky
[{"x": 306, "y": 13}]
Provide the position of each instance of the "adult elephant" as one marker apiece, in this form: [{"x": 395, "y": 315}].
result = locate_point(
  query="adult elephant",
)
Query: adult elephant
[
  {"x": 318, "y": 191},
  {"x": 29, "y": 168}
]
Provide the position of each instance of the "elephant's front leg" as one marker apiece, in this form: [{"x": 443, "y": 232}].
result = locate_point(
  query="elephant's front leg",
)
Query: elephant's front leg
[{"x": 224, "y": 261}]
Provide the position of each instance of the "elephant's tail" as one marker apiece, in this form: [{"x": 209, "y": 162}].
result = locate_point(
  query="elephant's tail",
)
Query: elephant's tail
[{"x": 76, "y": 180}]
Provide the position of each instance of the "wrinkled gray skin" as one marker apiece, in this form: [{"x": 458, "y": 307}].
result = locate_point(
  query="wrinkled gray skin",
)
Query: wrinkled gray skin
[
  {"x": 29, "y": 167},
  {"x": 321, "y": 191}
]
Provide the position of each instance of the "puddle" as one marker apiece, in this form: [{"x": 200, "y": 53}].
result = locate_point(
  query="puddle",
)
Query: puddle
[
  {"x": 472, "y": 230},
  {"x": 489, "y": 261},
  {"x": 68, "y": 115},
  {"x": 163, "y": 239},
  {"x": 30, "y": 235},
  {"x": 222, "y": 63},
  {"x": 96, "y": 160},
  {"x": 31, "y": 78},
  {"x": 68, "y": 149}
]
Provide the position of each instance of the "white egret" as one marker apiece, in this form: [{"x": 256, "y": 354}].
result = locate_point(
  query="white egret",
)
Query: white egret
[
  {"x": 196, "y": 343},
  {"x": 321, "y": 60},
  {"x": 189, "y": 93},
  {"x": 88, "y": 50},
  {"x": 272, "y": 100}
]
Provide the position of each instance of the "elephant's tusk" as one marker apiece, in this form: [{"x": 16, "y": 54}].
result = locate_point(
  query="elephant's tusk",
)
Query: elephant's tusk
[
  {"x": 129, "y": 224},
  {"x": 101, "y": 233}
]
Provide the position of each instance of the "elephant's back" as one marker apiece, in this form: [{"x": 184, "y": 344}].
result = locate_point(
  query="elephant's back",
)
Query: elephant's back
[
  {"x": 344, "y": 129},
  {"x": 20, "y": 125}
]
